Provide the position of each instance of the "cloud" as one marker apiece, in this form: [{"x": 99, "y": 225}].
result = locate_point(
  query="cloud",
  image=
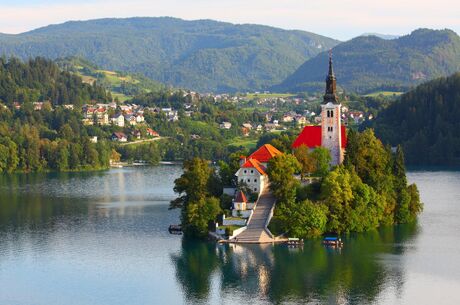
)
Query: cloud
[{"x": 337, "y": 18}]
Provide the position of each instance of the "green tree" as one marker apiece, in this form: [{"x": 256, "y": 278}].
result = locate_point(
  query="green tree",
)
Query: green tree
[
  {"x": 281, "y": 170},
  {"x": 307, "y": 161},
  {"x": 197, "y": 189},
  {"x": 323, "y": 160}
]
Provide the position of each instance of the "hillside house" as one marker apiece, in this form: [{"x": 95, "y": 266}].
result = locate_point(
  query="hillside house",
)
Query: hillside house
[{"x": 119, "y": 137}]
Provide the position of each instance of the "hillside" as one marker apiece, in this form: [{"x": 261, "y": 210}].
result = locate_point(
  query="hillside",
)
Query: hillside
[
  {"x": 425, "y": 121},
  {"x": 367, "y": 64},
  {"x": 41, "y": 80},
  {"x": 122, "y": 85},
  {"x": 203, "y": 55}
]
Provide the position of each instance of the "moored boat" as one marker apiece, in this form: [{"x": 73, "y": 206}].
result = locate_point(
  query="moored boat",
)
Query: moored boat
[{"x": 332, "y": 242}]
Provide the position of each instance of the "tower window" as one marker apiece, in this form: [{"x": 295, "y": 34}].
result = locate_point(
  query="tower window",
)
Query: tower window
[{"x": 332, "y": 113}]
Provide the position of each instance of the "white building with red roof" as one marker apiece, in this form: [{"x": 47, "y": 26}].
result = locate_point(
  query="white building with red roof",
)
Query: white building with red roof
[{"x": 253, "y": 168}]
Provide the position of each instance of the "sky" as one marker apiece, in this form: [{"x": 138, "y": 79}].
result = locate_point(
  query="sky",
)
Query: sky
[{"x": 340, "y": 19}]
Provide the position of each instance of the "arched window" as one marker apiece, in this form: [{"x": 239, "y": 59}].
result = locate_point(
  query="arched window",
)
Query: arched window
[{"x": 332, "y": 113}]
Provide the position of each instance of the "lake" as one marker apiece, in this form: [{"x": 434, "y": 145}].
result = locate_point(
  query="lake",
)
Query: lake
[{"x": 101, "y": 238}]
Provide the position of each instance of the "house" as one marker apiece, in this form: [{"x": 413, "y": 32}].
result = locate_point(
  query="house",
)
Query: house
[
  {"x": 253, "y": 174},
  {"x": 152, "y": 133},
  {"x": 93, "y": 139},
  {"x": 239, "y": 203},
  {"x": 225, "y": 125},
  {"x": 119, "y": 137},
  {"x": 287, "y": 118},
  {"x": 265, "y": 153},
  {"x": 136, "y": 134},
  {"x": 252, "y": 170},
  {"x": 131, "y": 120},
  {"x": 300, "y": 120},
  {"x": 247, "y": 126},
  {"x": 139, "y": 118},
  {"x": 38, "y": 106},
  {"x": 118, "y": 120},
  {"x": 68, "y": 106}
]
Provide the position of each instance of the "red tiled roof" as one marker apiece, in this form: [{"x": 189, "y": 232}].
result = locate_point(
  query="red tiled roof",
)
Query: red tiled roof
[
  {"x": 311, "y": 137},
  {"x": 240, "y": 197},
  {"x": 265, "y": 153},
  {"x": 253, "y": 163}
]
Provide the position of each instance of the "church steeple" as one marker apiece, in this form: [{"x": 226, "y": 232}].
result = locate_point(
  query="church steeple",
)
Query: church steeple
[{"x": 331, "y": 90}]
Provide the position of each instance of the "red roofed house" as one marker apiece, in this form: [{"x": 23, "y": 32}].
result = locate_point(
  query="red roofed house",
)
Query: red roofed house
[
  {"x": 253, "y": 169},
  {"x": 239, "y": 203},
  {"x": 265, "y": 153},
  {"x": 253, "y": 174},
  {"x": 331, "y": 134}
]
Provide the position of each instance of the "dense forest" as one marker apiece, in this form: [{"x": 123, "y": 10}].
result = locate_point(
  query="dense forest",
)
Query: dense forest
[
  {"x": 425, "y": 122},
  {"x": 40, "y": 80},
  {"x": 368, "y": 63},
  {"x": 203, "y": 55}
]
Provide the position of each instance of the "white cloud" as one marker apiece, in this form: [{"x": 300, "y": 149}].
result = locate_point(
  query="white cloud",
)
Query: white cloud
[{"x": 337, "y": 18}]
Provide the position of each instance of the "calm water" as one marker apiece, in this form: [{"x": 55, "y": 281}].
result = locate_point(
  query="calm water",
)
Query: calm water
[{"x": 101, "y": 238}]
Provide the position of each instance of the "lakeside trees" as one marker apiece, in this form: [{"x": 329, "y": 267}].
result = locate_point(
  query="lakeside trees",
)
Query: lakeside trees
[
  {"x": 368, "y": 190},
  {"x": 425, "y": 122},
  {"x": 198, "y": 190}
]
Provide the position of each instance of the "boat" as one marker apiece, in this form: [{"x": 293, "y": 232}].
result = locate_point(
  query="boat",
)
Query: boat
[
  {"x": 332, "y": 242},
  {"x": 175, "y": 229},
  {"x": 294, "y": 242}
]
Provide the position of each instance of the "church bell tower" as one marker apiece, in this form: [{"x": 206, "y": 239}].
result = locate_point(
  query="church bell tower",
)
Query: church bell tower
[{"x": 331, "y": 125}]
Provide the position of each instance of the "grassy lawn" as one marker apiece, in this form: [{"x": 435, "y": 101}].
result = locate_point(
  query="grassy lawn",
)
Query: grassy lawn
[
  {"x": 121, "y": 96},
  {"x": 246, "y": 142},
  {"x": 384, "y": 93}
]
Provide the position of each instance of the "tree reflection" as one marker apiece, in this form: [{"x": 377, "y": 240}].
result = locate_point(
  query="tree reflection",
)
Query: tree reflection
[{"x": 355, "y": 274}]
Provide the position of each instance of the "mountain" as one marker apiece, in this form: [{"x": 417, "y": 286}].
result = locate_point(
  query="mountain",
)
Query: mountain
[
  {"x": 367, "y": 64},
  {"x": 425, "y": 122},
  {"x": 203, "y": 55}
]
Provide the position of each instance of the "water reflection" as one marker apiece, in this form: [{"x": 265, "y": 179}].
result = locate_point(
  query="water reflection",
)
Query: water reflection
[{"x": 276, "y": 274}]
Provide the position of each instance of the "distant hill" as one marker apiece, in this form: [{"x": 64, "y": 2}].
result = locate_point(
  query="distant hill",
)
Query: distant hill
[
  {"x": 202, "y": 55},
  {"x": 425, "y": 121},
  {"x": 367, "y": 64},
  {"x": 383, "y": 36},
  {"x": 122, "y": 85}
]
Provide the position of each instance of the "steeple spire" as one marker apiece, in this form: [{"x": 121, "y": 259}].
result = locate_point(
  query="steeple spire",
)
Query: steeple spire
[
  {"x": 331, "y": 90},
  {"x": 331, "y": 71}
]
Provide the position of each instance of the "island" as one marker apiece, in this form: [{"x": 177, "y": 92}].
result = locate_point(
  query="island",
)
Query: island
[{"x": 330, "y": 180}]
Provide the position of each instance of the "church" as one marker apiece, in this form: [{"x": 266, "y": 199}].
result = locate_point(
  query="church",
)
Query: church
[{"x": 331, "y": 134}]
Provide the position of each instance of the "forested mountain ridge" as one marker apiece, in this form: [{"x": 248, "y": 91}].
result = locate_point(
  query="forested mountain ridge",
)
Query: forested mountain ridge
[
  {"x": 368, "y": 63},
  {"x": 425, "y": 121},
  {"x": 40, "y": 79},
  {"x": 202, "y": 55}
]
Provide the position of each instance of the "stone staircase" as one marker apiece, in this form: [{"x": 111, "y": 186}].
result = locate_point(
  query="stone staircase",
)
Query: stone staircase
[{"x": 257, "y": 231}]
